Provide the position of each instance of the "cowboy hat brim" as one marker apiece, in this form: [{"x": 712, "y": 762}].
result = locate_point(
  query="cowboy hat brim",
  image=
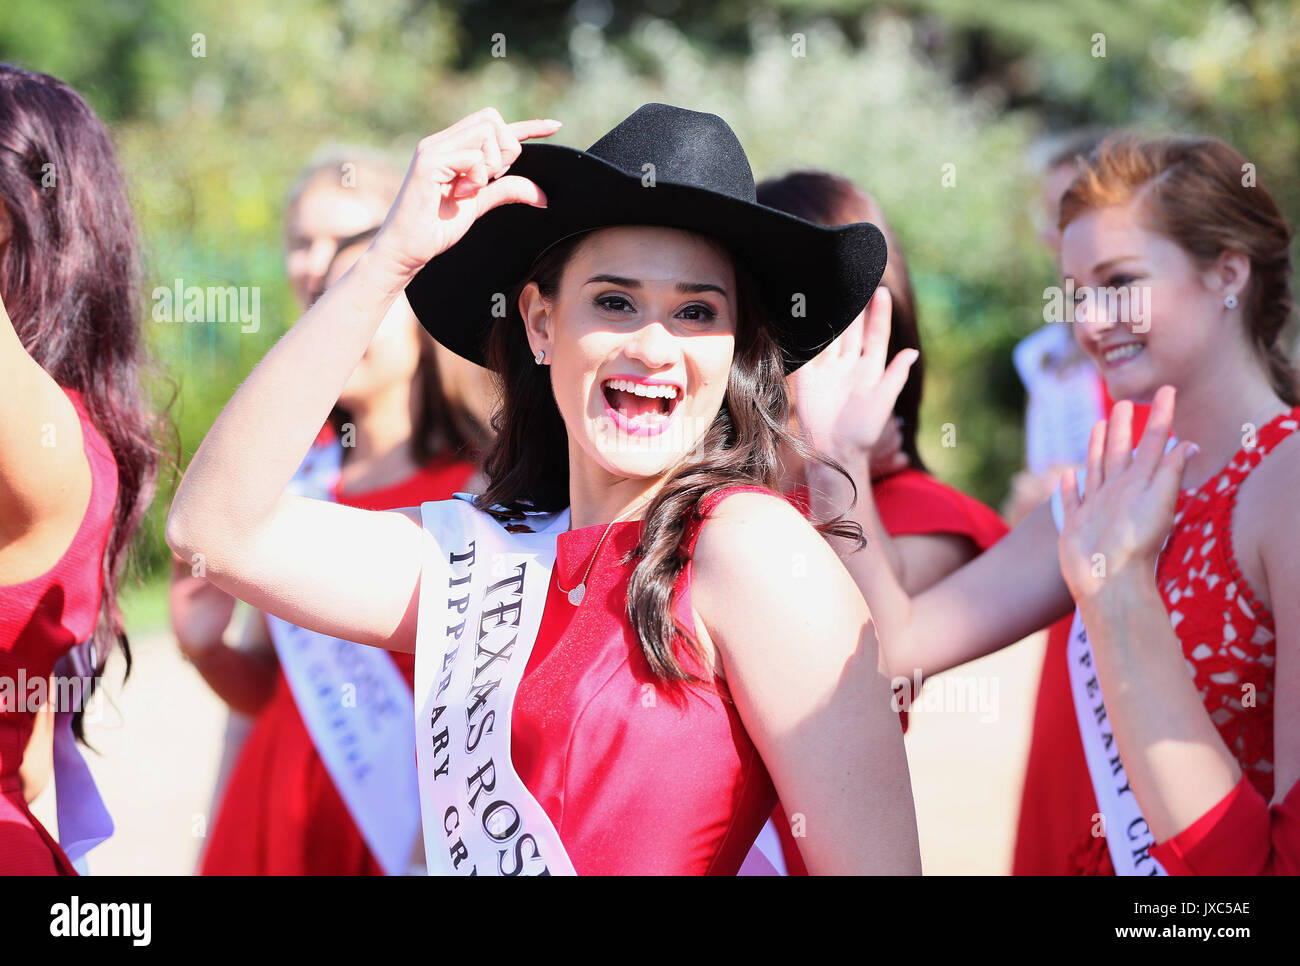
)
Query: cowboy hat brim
[{"x": 815, "y": 280}]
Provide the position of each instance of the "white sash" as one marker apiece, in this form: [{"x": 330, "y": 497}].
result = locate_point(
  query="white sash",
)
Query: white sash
[
  {"x": 1128, "y": 837},
  {"x": 482, "y": 593},
  {"x": 358, "y": 710}
]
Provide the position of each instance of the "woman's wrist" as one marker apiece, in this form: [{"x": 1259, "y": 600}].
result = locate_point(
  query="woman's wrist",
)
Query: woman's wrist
[
  {"x": 1117, "y": 598},
  {"x": 202, "y": 653},
  {"x": 856, "y": 461},
  {"x": 383, "y": 271}
]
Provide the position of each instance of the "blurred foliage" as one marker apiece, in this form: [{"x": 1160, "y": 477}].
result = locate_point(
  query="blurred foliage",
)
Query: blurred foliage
[{"x": 217, "y": 104}]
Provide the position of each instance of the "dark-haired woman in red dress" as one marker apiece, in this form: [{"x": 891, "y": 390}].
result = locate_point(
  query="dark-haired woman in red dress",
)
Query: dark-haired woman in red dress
[
  {"x": 928, "y": 529},
  {"x": 77, "y": 450},
  {"x": 605, "y": 674}
]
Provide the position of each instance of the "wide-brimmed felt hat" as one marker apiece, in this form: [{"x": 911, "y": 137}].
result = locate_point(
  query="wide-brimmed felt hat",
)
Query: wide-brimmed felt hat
[{"x": 813, "y": 279}]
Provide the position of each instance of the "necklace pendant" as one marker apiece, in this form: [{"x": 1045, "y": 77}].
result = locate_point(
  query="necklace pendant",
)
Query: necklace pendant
[{"x": 575, "y": 595}]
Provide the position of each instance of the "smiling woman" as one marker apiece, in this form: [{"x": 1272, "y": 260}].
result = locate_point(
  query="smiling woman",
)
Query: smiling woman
[{"x": 595, "y": 692}]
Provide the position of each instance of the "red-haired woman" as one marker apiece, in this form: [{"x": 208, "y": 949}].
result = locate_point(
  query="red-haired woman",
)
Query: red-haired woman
[
  {"x": 1181, "y": 556},
  {"x": 77, "y": 443}
]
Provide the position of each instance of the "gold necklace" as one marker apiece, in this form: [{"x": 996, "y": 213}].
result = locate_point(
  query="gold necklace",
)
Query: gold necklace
[{"x": 576, "y": 595}]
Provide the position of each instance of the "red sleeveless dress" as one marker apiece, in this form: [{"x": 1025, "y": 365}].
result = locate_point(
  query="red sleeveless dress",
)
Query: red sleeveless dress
[
  {"x": 40, "y": 621},
  {"x": 636, "y": 781},
  {"x": 1227, "y": 639},
  {"x": 281, "y": 814},
  {"x": 909, "y": 502}
]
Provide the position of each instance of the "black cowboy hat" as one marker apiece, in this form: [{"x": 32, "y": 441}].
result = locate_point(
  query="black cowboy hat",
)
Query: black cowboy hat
[{"x": 814, "y": 279}]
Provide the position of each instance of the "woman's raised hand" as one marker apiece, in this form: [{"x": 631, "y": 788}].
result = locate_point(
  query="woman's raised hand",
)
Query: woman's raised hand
[
  {"x": 455, "y": 177},
  {"x": 1116, "y": 528},
  {"x": 845, "y": 397}
]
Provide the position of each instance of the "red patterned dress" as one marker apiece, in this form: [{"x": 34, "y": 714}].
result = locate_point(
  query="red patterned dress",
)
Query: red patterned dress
[{"x": 1227, "y": 639}]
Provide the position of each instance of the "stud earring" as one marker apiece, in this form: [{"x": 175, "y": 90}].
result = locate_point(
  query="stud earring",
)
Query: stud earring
[
  {"x": 1230, "y": 300},
  {"x": 541, "y": 354}
]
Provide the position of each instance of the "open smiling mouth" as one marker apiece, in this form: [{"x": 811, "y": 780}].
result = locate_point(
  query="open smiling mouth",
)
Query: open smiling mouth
[{"x": 640, "y": 409}]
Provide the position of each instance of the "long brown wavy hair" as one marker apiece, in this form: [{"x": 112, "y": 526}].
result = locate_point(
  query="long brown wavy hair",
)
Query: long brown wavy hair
[
  {"x": 528, "y": 465},
  {"x": 70, "y": 275},
  {"x": 1194, "y": 192}
]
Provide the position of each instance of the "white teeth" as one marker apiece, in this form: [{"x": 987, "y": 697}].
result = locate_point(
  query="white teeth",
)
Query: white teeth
[
  {"x": 637, "y": 389},
  {"x": 1125, "y": 351}
]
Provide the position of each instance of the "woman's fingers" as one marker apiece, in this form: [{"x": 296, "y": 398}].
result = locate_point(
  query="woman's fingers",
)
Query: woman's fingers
[
  {"x": 875, "y": 343},
  {"x": 496, "y": 144},
  {"x": 1156, "y": 435},
  {"x": 1070, "y": 494},
  {"x": 1096, "y": 474},
  {"x": 895, "y": 376},
  {"x": 1119, "y": 439},
  {"x": 535, "y": 128},
  {"x": 1168, "y": 476},
  {"x": 850, "y": 340},
  {"x": 511, "y": 189}
]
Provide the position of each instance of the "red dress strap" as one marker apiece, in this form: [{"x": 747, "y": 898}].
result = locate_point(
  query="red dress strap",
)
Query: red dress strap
[
  {"x": 41, "y": 620},
  {"x": 704, "y": 509},
  {"x": 690, "y": 537}
]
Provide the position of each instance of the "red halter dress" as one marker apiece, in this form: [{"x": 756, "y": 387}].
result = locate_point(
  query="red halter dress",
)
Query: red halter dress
[
  {"x": 40, "y": 621},
  {"x": 281, "y": 814},
  {"x": 1227, "y": 639},
  {"x": 636, "y": 780}
]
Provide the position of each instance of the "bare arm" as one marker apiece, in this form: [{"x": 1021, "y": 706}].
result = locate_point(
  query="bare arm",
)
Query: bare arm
[
  {"x": 1174, "y": 757},
  {"x": 845, "y": 397},
  {"x": 244, "y": 676},
  {"x": 918, "y": 561},
  {"x": 44, "y": 473},
  {"x": 802, "y": 662},
  {"x": 1006, "y": 593},
  {"x": 347, "y": 572}
]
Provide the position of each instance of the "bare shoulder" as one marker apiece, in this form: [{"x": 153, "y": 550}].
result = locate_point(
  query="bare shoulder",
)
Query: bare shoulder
[
  {"x": 1269, "y": 495},
  {"x": 757, "y": 556},
  {"x": 1266, "y": 524},
  {"x": 745, "y": 531}
]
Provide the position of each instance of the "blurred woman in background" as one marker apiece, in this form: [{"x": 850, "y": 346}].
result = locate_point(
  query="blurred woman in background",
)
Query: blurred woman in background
[
  {"x": 78, "y": 457},
  {"x": 395, "y": 439},
  {"x": 927, "y": 529}
]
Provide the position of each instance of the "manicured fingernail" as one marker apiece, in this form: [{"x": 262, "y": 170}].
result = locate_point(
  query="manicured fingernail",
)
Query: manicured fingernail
[{"x": 1192, "y": 450}]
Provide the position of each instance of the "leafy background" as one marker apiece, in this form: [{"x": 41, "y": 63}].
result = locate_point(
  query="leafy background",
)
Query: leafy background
[{"x": 887, "y": 94}]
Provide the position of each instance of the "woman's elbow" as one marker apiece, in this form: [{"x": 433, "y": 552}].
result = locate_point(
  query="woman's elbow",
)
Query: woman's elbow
[{"x": 192, "y": 534}]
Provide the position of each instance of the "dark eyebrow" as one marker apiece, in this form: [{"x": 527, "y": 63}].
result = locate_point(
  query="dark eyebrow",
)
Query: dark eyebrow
[
  {"x": 1102, "y": 266},
  {"x": 680, "y": 286}
]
